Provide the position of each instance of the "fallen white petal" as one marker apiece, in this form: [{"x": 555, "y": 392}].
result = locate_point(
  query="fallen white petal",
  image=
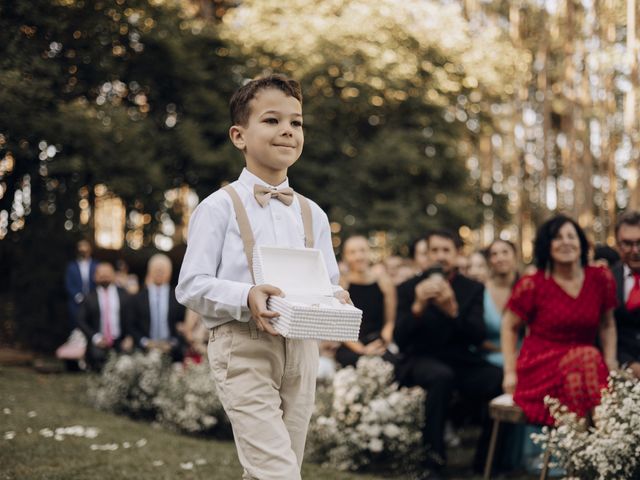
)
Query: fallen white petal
[
  {"x": 157, "y": 463},
  {"x": 141, "y": 443},
  {"x": 201, "y": 461},
  {"x": 126, "y": 445},
  {"x": 186, "y": 466},
  {"x": 6, "y": 411},
  {"x": 32, "y": 414},
  {"x": 9, "y": 435}
]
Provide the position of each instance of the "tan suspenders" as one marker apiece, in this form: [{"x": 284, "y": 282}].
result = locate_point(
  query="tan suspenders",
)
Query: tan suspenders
[{"x": 248, "y": 240}]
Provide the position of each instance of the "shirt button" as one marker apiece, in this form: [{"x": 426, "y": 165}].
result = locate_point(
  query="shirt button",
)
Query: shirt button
[{"x": 278, "y": 217}]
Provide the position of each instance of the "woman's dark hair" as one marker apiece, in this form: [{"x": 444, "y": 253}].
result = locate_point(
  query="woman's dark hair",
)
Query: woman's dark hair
[{"x": 547, "y": 232}]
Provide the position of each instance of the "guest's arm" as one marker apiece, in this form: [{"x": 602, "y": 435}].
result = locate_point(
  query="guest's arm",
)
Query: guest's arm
[
  {"x": 390, "y": 307},
  {"x": 609, "y": 340},
  {"x": 509, "y": 330}
]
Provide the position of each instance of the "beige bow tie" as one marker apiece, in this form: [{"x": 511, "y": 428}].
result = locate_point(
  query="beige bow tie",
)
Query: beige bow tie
[{"x": 264, "y": 194}]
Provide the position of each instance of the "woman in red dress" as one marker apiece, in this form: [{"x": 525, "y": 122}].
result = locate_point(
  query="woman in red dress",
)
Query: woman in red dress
[{"x": 566, "y": 305}]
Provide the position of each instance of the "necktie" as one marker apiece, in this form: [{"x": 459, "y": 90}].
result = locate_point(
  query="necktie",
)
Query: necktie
[
  {"x": 264, "y": 194},
  {"x": 106, "y": 318},
  {"x": 633, "y": 301}
]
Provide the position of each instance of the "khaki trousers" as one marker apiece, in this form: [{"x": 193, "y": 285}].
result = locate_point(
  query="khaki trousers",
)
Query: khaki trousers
[{"x": 267, "y": 387}]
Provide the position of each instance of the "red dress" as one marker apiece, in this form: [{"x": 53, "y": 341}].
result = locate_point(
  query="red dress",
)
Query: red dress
[{"x": 558, "y": 356}]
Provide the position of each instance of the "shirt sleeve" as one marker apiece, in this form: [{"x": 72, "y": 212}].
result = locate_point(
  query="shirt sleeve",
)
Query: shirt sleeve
[
  {"x": 198, "y": 287},
  {"x": 522, "y": 300},
  {"x": 610, "y": 299},
  {"x": 323, "y": 243}
]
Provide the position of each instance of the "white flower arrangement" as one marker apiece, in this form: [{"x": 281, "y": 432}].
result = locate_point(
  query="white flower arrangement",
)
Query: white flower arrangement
[
  {"x": 188, "y": 400},
  {"x": 363, "y": 420},
  {"x": 609, "y": 450},
  {"x": 129, "y": 383}
]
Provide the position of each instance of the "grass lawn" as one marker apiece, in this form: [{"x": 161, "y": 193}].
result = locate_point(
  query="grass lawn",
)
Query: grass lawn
[
  {"x": 60, "y": 401},
  {"x": 31, "y": 402}
]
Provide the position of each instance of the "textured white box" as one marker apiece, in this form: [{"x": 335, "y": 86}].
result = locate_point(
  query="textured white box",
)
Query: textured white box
[{"x": 309, "y": 309}]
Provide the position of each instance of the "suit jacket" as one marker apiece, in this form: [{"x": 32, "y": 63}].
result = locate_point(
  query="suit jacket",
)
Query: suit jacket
[
  {"x": 434, "y": 333},
  {"x": 89, "y": 316},
  {"x": 627, "y": 322},
  {"x": 73, "y": 284},
  {"x": 140, "y": 316}
]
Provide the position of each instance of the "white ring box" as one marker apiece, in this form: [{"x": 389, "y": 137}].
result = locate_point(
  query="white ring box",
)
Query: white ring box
[{"x": 308, "y": 309}]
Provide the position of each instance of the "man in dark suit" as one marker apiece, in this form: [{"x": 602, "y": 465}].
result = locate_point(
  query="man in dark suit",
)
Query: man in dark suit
[
  {"x": 79, "y": 279},
  {"x": 100, "y": 317},
  {"x": 627, "y": 276},
  {"x": 156, "y": 316},
  {"x": 439, "y": 323}
]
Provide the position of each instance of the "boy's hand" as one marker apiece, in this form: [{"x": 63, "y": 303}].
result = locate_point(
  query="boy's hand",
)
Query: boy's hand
[
  {"x": 343, "y": 296},
  {"x": 257, "y": 301}
]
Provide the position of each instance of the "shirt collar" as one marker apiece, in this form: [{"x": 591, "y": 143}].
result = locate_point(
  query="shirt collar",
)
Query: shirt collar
[
  {"x": 248, "y": 179},
  {"x": 627, "y": 271}
]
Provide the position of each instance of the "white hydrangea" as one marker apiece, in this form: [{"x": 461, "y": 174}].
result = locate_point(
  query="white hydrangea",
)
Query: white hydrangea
[{"x": 363, "y": 420}]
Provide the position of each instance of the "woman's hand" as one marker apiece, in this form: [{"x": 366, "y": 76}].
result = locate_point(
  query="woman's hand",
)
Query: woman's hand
[
  {"x": 612, "y": 364},
  {"x": 509, "y": 382}
]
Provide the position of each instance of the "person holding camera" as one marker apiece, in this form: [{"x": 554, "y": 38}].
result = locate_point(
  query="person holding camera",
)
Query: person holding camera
[{"x": 438, "y": 329}]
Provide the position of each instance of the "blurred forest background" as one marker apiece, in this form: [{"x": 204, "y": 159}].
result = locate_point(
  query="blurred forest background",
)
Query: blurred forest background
[{"x": 479, "y": 115}]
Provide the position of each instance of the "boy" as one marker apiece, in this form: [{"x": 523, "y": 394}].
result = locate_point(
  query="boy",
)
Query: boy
[{"x": 266, "y": 382}]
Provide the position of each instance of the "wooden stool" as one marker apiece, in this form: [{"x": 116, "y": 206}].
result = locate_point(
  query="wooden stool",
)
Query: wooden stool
[{"x": 502, "y": 409}]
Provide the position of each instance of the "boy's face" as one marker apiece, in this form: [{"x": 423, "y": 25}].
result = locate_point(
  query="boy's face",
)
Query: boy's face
[{"x": 272, "y": 139}]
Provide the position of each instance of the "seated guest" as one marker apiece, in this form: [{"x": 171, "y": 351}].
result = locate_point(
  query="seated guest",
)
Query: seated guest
[
  {"x": 195, "y": 335},
  {"x": 373, "y": 292},
  {"x": 155, "y": 312},
  {"x": 100, "y": 318},
  {"x": 478, "y": 269},
  {"x": 627, "y": 276},
  {"x": 418, "y": 252},
  {"x": 566, "y": 304},
  {"x": 463, "y": 263},
  {"x": 126, "y": 280},
  {"x": 440, "y": 317},
  {"x": 503, "y": 273}
]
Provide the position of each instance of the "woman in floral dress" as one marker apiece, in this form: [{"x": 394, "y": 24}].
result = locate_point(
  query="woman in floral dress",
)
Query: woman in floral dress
[{"x": 566, "y": 305}]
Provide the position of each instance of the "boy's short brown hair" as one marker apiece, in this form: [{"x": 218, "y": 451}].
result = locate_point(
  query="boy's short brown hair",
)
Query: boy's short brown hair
[{"x": 239, "y": 104}]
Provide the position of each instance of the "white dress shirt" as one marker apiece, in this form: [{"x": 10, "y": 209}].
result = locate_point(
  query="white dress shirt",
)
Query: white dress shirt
[
  {"x": 84, "y": 266},
  {"x": 159, "y": 312},
  {"x": 215, "y": 278},
  {"x": 110, "y": 314}
]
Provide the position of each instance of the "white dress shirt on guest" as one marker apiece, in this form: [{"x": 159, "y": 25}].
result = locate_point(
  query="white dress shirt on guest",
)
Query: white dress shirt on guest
[
  {"x": 109, "y": 311},
  {"x": 159, "y": 313},
  {"x": 215, "y": 279},
  {"x": 85, "y": 273}
]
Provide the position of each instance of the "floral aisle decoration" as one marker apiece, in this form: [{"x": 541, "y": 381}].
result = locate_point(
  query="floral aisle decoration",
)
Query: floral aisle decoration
[
  {"x": 129, "y": 384},
  {"x": 181, "y": 397},
  {"x": 362, "y": 420},
  {"x": 609, "y": 450},
  {"x": 187, "y": 401}
]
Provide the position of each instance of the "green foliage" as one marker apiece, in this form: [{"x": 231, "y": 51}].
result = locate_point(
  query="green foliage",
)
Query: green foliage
[{"x": 133, "y": 95}]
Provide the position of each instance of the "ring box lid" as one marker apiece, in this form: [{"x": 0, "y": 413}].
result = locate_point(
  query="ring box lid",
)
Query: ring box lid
[{"x": 295, "y": 271}]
